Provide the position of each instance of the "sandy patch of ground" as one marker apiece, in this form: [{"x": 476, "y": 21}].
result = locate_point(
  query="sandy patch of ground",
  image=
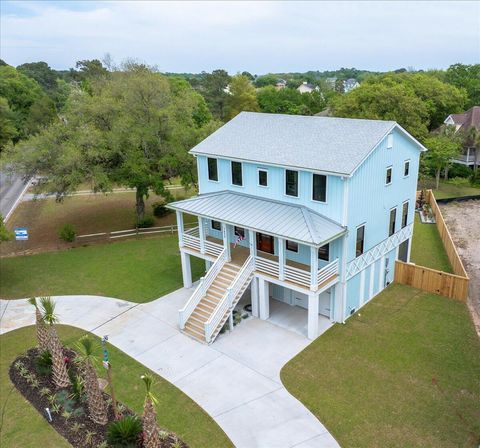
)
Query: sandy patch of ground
[{"x": 463, "y": 220}]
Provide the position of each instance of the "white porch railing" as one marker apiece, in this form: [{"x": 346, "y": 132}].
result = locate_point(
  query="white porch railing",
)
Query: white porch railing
[
  {"x": 327, "y": 271},
  {"x": 201, "y": 289},
  {"x": 296, "y": 275},
  {"x": 229, "y": 300},
  {"x": 191, "y": 239},
  {"x": 266, "y": 266}
]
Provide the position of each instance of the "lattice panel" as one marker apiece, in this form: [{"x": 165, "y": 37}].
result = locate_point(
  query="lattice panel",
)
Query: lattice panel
[{"x": 381, "y": 249}]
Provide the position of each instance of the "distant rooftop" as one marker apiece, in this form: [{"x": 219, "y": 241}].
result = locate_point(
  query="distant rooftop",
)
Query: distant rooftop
[
  {"x": 467, "y": 120},
  {"x": 325, "y": 144}
]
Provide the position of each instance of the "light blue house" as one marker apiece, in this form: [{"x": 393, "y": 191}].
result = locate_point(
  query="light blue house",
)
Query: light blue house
[{"x": 308, "y": 211}]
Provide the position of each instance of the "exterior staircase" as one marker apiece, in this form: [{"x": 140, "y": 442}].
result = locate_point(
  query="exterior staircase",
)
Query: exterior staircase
[
  {"x": 195, "y": 325},
  {"x": 214, "y": 299}
]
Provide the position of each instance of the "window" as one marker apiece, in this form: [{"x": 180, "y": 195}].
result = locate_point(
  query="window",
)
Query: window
[
  {"x": 263, "y": 178},
  {"x": 406, "y": 168},
  {"x": 237, "y": 174},
  {"x": 212, "y": 169},
  {"x": 319, "y": 188},
  {"x": 404, "y": 214},
  {"x": 390, "y": 141},
  {"x": 360, "y": 243},
  {"x": 291, "y": 183},
  {"x": 292, "y": 246},
  {"x": 324, "y": 252},
  {"x": 391, "y": 225},
  {"x": 216, "y": 225},
  {"x": 388, "y": 177},
  {"x": 239, "y": 232}
]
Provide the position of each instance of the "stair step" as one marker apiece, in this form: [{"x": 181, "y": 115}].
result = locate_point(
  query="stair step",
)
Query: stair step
[
  {"x": 199, "y": 337},
  {"x": 205, "y": 308},
  {"x": 201, "y": 313},
  {"x": 211, "y": 301},
  {"x": 195, "y": 326},
  {"x": 217, "y": 288},
  {"x": 198, "y": 319},
  {"x": 217, "y": 294}
]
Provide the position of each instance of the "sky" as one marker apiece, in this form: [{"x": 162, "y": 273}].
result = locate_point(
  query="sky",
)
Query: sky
[{"x": 259, "y": 37}]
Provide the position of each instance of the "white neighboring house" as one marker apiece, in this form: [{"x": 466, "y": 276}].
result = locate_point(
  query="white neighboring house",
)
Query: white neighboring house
[
  {"x": 306, "y": 87},
  {"x": 350, "y": 84}
]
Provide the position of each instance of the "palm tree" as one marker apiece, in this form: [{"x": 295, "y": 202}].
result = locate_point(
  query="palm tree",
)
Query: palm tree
[
  {"x": 150, "y": 427},
  {"x": 42, "y": 331},
  {"x": 88, "y": 356},
  {"x": 59, "y": 368}
]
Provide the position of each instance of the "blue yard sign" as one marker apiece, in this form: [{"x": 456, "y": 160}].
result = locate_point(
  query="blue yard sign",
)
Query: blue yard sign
[{"x": 21, "y": 234}]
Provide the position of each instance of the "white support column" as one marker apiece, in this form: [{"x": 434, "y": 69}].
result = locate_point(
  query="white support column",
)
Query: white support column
[
  {"x": 372, "y": 281},
  {"x": 409, "y": 249},
  {"x": 381, "y": 274},
  {"x": 254, "y": 296},
  {"x": 208, "y": 265},
  {"x": 313, "y": 268},
  {"x": 226, "y": 243},
  {"x": 263, "y": 299},
  {"x": 252, "y": 243},
  {"x": 362, "y": 287},
  {"x": 281, "y": 258},
  {"x": 339, "y": 313},
  {"x": 230, "y": 321},
  {"x": 312, "y": 316},
  {"x": 180, "y": 227},
  {"x": 186, "y": 269},
  {"x": 201, "y": 232}
]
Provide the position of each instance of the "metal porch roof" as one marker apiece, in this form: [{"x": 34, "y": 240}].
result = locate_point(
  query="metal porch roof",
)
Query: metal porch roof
[{"x": 289, "y": 221}]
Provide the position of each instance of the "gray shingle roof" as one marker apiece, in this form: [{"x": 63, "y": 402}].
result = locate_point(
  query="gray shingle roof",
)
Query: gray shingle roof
[
  {"x": 292, "y": 222},
  {"x": 336, "y": 145}
]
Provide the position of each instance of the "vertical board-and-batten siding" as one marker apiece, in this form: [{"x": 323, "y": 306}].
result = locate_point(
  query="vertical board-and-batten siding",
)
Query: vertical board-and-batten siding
[{"x": 275, "y": 190}]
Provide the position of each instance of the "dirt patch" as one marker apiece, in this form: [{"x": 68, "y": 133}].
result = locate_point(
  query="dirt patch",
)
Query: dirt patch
[{"x": 463, "y": 221}]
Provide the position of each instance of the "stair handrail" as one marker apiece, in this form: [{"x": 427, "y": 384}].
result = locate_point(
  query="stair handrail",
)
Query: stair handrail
[
  {"x": 201, "y": 289},
  {"x": 229, "y": 299}
]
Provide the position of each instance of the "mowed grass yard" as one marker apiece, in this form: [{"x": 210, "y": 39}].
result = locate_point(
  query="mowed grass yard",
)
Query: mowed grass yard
[
  {"x": 404, "y": 372},
  {"x": 22, "y": 426},
  {"x": 427, "y": 247},
  {"x": 449, "y": 190},
  {"x": 136, "y": 270}
]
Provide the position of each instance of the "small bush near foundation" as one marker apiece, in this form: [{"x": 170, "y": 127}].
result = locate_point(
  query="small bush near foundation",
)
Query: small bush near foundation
[{"x": 124, "y": 432}]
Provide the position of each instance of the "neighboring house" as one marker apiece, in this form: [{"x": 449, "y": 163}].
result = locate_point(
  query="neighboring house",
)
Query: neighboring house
[
  {"x": 332, "y": 82},
  {"x": 464, "y": 123},
  {"x": 350, "y": 84},
  {"x": 281, "y": 84},
  {"x": 309, "y": 211},
  {"x": 306, "y": 87}
]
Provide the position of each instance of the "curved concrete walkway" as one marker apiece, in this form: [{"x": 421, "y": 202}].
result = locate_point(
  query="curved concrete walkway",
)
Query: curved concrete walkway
[{"x": 236, "y": 380}]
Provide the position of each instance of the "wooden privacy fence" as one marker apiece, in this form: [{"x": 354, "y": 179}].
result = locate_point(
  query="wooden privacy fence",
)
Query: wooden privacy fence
[
  {"x": 118, "y": 234},
  {"x": 453, "y": 285},
  {"x": 431, "y": 280}
]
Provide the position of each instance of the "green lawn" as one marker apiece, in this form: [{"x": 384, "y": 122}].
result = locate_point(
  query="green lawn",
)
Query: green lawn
[
  {"x": 136, "y": 270},
  {"x": 404, "y": 372},
  {"x": 449, "y": 190},
  {"x": 22, "y": 426},
  {"x": 427, "y": 247}
]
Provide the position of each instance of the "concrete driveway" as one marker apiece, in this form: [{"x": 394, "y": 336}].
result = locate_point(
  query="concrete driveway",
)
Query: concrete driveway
[{"x": 236, "y": 380}]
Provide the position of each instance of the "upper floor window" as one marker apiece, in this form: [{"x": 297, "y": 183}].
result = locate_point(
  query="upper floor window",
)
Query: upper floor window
[
  {"x": 212, "y": 169},
  {"x": 324, "y": 252},
  {"x": 237, "y": 174},
  {"x": 391, "y": 225},
  {"x": 406, "y": 168},
  {"x": 291, "y": 183},
  {"x": 360, "y": 242},
  {"x": 292, "y": 246},
  {"x": 263, "y": 178},
  {"x": 404, "y": 214},
  {"x": 216, "y": 225},
  {"x": 388, "y": 176},
  {"x": 390, "y": 141},
  {"x": 319, "y": 192}
]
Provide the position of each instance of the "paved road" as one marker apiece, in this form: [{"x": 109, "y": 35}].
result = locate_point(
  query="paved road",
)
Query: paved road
[
  {"x": 11, "y": 188},
  {"x": 236, "y": 379}
]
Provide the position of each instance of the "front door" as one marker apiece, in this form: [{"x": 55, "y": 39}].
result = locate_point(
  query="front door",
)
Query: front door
[{"x": 265, "y": 243}]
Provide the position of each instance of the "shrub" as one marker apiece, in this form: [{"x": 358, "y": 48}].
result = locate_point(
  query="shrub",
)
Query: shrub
[
  {"x": 67, "y": 233},
  {"x": 124, "y": 432},
  {"x": 146, "y": 222},
  {"x": 475, "y": 178},
  {"x": 458, "y": 181},
  {"x": 459, "y": 170},
  {"x": 159, "y": 210},
  {"x": 44, "y": 363}
]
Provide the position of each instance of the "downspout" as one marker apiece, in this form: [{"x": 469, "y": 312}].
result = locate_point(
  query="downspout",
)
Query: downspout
[{"x": 343, "y": 272}]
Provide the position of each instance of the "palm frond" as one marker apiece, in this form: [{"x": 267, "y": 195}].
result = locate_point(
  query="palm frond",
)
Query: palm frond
[
  {"x": 88, "y": 348},
  {"x": 33, "y": 301},
  {"x": 48, "y": 310},
  {"x": 148, "y": 380}
]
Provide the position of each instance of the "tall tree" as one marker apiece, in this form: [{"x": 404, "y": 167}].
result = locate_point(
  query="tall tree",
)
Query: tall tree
[
  {"x": 40, "y": 72},
  {"x": 467, "y": 77},
  {"x": 59, "y": 368},
  {"x": 88, "y": 357},
  {"x": 8, "y": 130},
  {"x": 214, "y": 87},
  {"x": 242, "y": 97},
  {"x": 150, "y": 427},
  {"x": 41, "y": 328}
]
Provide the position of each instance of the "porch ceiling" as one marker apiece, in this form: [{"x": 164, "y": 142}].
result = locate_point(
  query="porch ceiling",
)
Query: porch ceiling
[{"x": 289, "y": 221}]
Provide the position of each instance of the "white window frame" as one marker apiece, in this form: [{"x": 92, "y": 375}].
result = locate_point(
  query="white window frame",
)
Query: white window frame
[
  {"x": 389, "y": 141},
  {"x": 218, "y": 171},
  {"x": 364, "y": 225},
  {"x": 326, "y": 188},
  {"x": 213, "y": 228},
  {"x": 408, "y": 211},
  {"x": 258, "y": 177},
  {"x": 395, "y": 230},
  {"x": 285, "y": 184},
  {"x": 404, "y": 165},
  {"x": 291, "y": 250},
  {"x": 391, "y": 175},
  {"x": 231, "y": 174}
]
